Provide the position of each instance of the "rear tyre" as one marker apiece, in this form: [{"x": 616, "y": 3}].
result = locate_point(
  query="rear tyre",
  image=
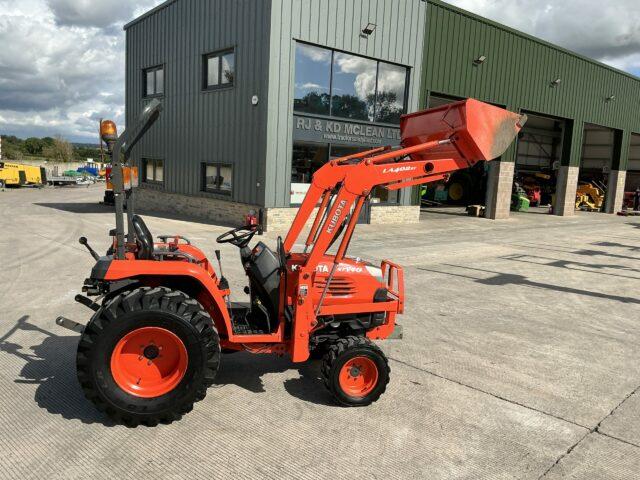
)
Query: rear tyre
[
  {"x": 147, "y": 356},
  {"x": 355, "y": 371}
]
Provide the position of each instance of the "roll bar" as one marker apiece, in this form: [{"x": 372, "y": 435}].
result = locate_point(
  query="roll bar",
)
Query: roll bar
[{"x": 128, "y": 140}]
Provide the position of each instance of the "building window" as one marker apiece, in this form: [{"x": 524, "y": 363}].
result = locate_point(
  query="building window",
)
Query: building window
[
  {"x": 153, "y": 81},
  {"x": 309, "y": 157},
  {"x": 217, "y": 178},
  {"x": 391, "y": 93},
  {"x": 313, "y": 79},
  {"x": 353, "y": 87},
  {"x": 219, "y": 70},
  {"x": 329, "y": 82},
  {"x": 153, "y": 170}
]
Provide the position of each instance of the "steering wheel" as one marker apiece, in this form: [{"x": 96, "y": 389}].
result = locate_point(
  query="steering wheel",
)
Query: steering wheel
[{"x": 240, "y": 237}]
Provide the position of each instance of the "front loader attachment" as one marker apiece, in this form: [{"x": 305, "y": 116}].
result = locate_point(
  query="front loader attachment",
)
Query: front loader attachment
[{"x": 479, "y": 131}]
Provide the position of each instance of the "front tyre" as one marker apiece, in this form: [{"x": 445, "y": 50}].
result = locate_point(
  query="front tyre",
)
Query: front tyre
[
  {"x": 355, "y": 371},
  {"x": 147, "y": 356}
]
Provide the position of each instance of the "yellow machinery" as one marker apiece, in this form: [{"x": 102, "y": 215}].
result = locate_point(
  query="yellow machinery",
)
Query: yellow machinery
[
  {"x": 589, "y": 197},
  {"x": 10, "y": 175},
  {"x": 16, "y": 175}
]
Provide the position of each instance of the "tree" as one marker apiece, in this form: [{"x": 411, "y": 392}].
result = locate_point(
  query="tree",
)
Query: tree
[
  {"x": 313, "y": 102},
  {"x": 33, "y": 146},
  {"x": 60, "y": 150},
  {"x": 11, "y": 147},
  {"x": 349, "y": 106},
  {"x": 82, "y": 152},
  {"x": 10, "y": 152},
  {"x": 386, "y": 106}
]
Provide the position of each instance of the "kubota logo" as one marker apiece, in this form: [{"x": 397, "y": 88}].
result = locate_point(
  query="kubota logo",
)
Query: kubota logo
[
  {"x": 399, "y": 169},
  {"x": 336, "y": 216}
]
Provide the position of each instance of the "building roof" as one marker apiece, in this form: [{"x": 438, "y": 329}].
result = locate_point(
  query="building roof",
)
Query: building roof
[
  {"x": 154, "y": 10},
  {"x": 461, "y": 11},
  {"x": 532, "y": 38}
]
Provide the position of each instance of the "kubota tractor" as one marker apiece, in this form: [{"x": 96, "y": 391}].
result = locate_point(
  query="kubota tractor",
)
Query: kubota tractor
[{"x": 163, "y": 314}]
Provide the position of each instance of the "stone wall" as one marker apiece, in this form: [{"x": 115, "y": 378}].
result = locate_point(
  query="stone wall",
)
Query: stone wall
[
  {"x": 394, "y": 214},
  {"x": 279, "y": 219},
  {"x": 206, "y": 208},
  {"x": 615, "y": 191},
  {"x": 566, "y": 191},
  {"x": 499, "y": 188}
]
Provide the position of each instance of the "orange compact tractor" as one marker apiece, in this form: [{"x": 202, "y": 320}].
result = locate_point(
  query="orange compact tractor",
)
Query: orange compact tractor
[{"x": 163, "y": 314}]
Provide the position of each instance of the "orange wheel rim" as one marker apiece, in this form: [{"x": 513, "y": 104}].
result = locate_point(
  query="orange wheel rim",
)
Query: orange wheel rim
[
  {"x": 358, "y": 376},
  {"x": 149, "y": 362}
]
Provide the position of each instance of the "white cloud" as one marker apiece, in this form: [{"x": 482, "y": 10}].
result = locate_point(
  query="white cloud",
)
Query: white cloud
[
  {"x": 310, "y": 86},
  {"x": 61, "y": 71},
  {"x": 315, "y": 54},
  {"x": 91, "y": 13},
  {"x": 363, "y": 69}
]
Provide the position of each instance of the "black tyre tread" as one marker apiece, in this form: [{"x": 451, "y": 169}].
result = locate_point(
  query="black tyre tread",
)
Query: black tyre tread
[
  {"x": 339, "y": 347},
  {"x": 145, "y": 298}
]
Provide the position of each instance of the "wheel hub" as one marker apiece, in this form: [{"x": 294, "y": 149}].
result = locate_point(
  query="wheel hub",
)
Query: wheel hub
[
  {"x": 358, "y": 376},
  {"x": 149, "y": 362},
  {"x": 151, "y": 352}
]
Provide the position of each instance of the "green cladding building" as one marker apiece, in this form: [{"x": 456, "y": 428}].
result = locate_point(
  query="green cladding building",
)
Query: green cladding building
[{"x": 259, "y": 93}]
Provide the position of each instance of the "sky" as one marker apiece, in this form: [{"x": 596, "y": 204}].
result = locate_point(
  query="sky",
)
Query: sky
[{"x": 62, "y": 61}]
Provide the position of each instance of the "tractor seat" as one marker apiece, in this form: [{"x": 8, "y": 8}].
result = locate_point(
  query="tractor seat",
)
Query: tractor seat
[{"x": 144, "y": 239}]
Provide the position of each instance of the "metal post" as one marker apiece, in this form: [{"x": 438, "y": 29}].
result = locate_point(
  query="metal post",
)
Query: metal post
[
  {"x": 118, "y": 189},
  {"x": 129, "y": 204}
]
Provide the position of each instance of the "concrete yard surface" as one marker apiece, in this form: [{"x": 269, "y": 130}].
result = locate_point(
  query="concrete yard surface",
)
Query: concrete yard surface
[{"x": 520, "y": 358}]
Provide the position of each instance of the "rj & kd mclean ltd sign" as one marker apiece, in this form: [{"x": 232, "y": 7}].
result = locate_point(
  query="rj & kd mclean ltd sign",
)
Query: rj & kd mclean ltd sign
[{"x": 324, "y": 130}]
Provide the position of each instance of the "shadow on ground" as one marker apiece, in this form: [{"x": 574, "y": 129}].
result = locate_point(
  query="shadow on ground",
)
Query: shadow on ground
[
  {"x": 246, "y": 371},
  {"x": 97, "y": 207},
  {"x": 570, "y": 251},
  {"x": 633, "y": 248},
  {"x": 51, "y": 366},
  {"x": 571, "y": 265},
  {"x": 501, "y": 279},
  {"x": 78, "y": 207}
]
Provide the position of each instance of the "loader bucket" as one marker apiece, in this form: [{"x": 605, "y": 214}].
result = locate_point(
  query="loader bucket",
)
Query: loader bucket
[{"x": 479, "y": 131}]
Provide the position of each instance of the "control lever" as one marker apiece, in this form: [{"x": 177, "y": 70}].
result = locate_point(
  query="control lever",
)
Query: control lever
[
  {"x": 224, "y": 285},
  {"x": 83, "y": 241}
]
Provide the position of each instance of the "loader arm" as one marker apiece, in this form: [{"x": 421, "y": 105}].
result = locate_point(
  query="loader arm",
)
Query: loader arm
[{"x": 435, "y": 143}]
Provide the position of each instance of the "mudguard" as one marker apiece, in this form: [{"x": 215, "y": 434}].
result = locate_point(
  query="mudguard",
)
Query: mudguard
[{"x": 152, "y": 269}]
